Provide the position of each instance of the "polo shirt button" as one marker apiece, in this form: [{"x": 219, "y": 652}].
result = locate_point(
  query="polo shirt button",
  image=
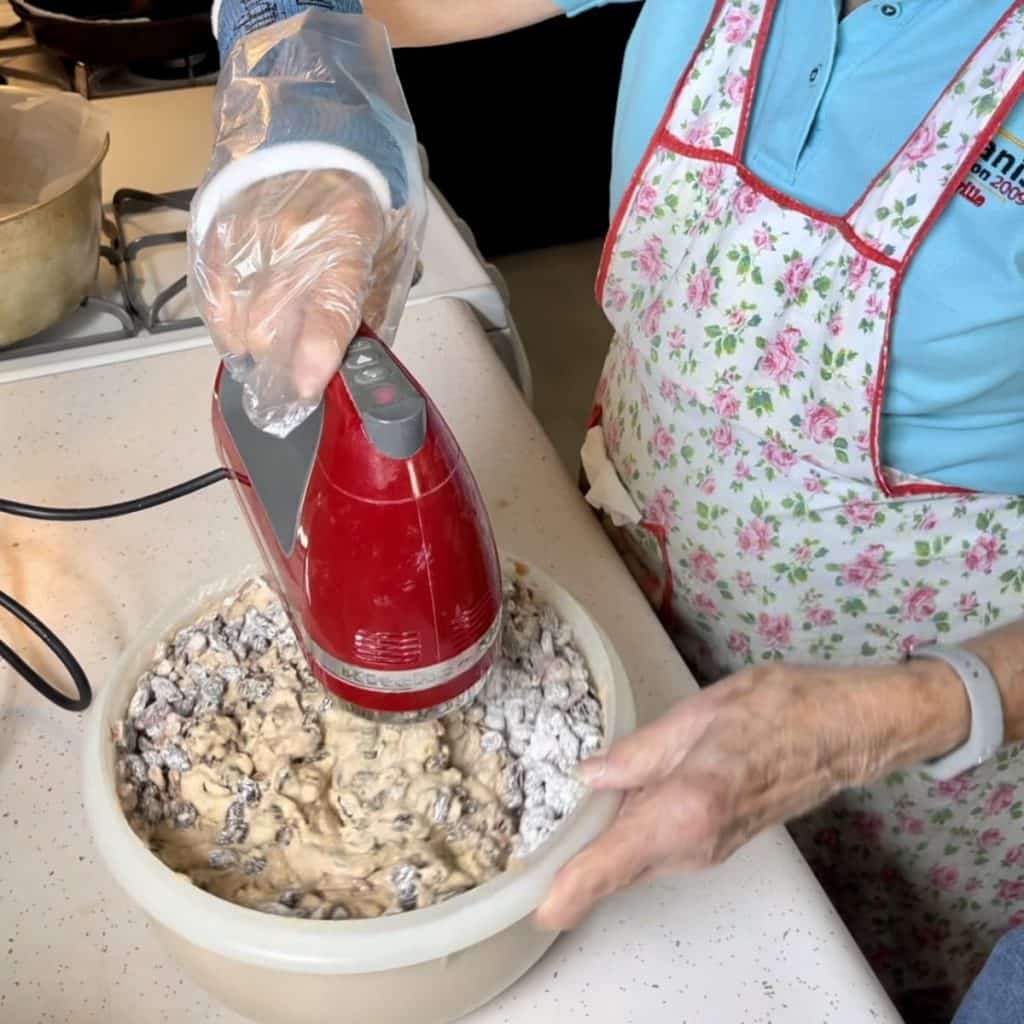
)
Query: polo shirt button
[
  {"x": 813, "y": 76},
  {"x": 890, "y": 10}
]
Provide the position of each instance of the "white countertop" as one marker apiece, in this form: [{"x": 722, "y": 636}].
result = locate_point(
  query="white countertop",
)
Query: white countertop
[{"x": 753, "y": 941}]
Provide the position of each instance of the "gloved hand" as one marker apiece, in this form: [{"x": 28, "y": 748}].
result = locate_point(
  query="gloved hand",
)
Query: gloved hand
[
  {"x": 754, "y": 750},
  {"x": 285, "y": 274},
  {"x": 311, "y": 215}
]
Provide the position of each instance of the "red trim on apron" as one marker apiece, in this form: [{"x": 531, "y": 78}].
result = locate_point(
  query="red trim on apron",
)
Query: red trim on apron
[
  {"x": 652, "y": 147},
  {"x": 931, "y": 110},
  {"x": 760, "y": 185},
  {"x": 660, "y": 534},
  {"x": 916, "y": 489},
  {"x": 767, "y": 21},
  {"x": 663, "y": 138}
]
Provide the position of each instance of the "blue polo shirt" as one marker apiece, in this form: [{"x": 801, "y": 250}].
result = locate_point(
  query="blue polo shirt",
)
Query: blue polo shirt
[{"x": 837, "y": 98}]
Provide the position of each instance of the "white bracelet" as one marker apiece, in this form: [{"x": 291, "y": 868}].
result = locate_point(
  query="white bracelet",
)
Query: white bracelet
[{"x": 987, "y": 726}]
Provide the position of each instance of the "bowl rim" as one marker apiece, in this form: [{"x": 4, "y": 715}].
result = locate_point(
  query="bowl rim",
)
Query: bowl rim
[{"x": 334, "y": 947}]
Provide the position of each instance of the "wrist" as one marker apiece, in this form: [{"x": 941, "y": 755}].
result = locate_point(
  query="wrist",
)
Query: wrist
[
  {"x": 232, "y": 19},
  {"x": 893, "y": 716},
  {"x": 941, "y": 708},
  {"x": 231, "y": 180}
]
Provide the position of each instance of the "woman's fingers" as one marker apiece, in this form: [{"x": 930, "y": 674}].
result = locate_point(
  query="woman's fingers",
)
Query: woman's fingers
[
  {"x": 324, "y": 338},
  {"x": 272, "y": 318},
  {"x": 211, "y": 279},
  {"x": 670, "y": 821},
  {"x": 745, "y": 754},
  {"x": 283, "y": 275},
  {"x": 652, "y": 752},
  {"x": 612, "y": 862},
  {"x": 679, "y": 810}
]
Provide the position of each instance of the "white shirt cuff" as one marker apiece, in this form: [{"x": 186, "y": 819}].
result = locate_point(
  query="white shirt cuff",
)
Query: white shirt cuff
[{"x": 281, "y": 158}]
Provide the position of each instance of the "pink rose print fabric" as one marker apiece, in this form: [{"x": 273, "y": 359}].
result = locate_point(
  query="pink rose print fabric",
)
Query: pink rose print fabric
[
  {"x": 894, "y": 211},
  {"x": 738, "y": 403},
  {"x": 782, "y": 359}
]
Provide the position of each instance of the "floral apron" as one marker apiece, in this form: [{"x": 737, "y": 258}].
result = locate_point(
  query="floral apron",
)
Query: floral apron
[{"x": 740, "y": 407}]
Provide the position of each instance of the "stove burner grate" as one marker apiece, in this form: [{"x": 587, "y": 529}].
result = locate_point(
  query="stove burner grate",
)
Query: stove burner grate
[
  {"x": 125, "y": 312},
  {"x": 129, "y": 201},
  {"x": 118, "y": 321},
  {"x": 106, "y": 81}
]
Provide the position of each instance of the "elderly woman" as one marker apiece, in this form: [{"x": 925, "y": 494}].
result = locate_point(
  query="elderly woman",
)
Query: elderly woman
[{"x": 813, "y": 407}]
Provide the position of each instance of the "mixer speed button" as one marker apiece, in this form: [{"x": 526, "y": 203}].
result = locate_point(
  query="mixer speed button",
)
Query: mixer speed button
[
  {"x": 357, "y": 360},
  {"x": 371, "y": 374}
]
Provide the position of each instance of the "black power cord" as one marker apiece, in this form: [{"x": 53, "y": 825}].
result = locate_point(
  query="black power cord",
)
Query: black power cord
[
  {"x": 121, "y": 508},
  {"x": 37, "y": 626},
  {"x": 30, "y": 675}
]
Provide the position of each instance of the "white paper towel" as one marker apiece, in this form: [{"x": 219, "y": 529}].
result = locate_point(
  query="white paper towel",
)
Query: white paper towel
[{"x": 606, "y": 490}]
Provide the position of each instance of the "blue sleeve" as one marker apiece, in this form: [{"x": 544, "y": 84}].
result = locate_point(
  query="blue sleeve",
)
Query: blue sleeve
[
  {"x": 236, "y": 18},
  {"x": 331, "y": 106},
  {"x": 572, "y": 7}
]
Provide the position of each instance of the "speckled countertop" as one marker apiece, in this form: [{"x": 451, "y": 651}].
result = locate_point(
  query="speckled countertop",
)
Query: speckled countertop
[{"x": 753, "y": 941}]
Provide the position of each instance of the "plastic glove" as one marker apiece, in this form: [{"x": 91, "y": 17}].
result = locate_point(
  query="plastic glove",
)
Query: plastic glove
[
  {"x": 310, "y": 219},
  {"x": 284, "y": 277},
  {"x": 754, "y": 750}
]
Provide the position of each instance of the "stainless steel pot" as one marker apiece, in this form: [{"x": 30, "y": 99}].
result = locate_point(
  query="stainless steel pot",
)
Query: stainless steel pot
[{"x": 51, "y": 147}]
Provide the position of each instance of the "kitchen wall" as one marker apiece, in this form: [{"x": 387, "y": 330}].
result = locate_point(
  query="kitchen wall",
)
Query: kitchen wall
[
  {"x": 565, "y": 333},
  {"x": 519, "y": 128}
]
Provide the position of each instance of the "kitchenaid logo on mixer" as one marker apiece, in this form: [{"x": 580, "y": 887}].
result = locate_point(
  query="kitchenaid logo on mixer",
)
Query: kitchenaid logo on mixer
[{"x": 998, "y": 171}]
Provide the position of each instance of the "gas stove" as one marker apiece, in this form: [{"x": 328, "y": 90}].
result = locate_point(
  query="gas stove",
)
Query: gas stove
[
  {"x": 105, "y": 81},
  {"x": 139, "y": 304},
  {"x": 132, "y": 295},
  {"x": 24, "y": 63}
]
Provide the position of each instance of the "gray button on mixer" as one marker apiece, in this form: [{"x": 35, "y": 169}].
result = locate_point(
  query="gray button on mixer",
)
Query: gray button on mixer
[
  {"x": 361, "y": 352},
  {"x": 393, "y": 411},
  {"x": 358, "y": 360},
  {"x": 372, "y": 373},
  {"x": 399, "y": 429}
]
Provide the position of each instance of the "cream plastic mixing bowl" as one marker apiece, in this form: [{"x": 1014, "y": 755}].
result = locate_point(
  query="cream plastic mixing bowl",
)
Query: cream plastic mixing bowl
[{"x": 429, "y": 966}]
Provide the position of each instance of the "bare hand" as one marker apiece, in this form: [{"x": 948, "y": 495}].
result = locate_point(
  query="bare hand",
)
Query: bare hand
[{"x": 752, "y": 751}]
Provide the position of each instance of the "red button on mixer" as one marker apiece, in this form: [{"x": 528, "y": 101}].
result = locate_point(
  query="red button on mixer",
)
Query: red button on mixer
[{"x": 384, "y": 395}]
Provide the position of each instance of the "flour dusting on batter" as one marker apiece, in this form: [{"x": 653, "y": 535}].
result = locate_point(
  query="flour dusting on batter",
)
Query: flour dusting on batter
[{"x": 240, "y": 772}]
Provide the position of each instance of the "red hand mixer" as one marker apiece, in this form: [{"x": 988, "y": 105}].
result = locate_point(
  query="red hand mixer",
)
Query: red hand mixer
[{"x": 376, "y": 534}]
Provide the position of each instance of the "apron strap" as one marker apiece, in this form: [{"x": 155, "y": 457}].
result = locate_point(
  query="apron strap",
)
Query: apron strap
[
  {"x": 903, "y": 202},
  {"x": 714, "y": 98}
]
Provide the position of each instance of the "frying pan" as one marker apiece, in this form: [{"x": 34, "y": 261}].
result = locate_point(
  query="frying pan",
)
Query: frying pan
[{"x": 119, "y": 31}]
